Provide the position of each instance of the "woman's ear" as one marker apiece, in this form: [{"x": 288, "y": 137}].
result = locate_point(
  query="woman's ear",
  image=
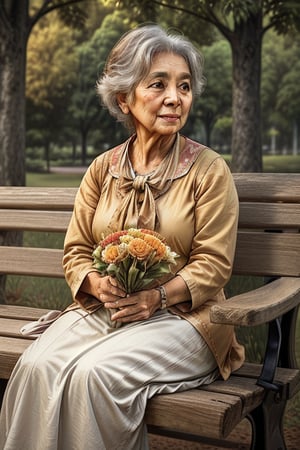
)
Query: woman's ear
[{"x": 122, "y": 102}]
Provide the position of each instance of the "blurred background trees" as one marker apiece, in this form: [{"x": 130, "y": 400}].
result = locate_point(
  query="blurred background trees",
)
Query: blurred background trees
[{"x": 251, "y": 103}]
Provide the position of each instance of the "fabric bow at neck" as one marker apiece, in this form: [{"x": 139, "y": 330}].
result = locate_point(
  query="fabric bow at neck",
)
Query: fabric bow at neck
[{"x": 138, "y": 192}]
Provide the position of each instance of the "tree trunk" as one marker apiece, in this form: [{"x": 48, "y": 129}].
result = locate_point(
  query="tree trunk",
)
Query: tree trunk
[
  {"x": 47, "y": 155},
  {"x": 246, "y": 132},
  {"x": 295, "y": 138},
  {"x": 13, "y": 38},
  {"x": 74, "y": 151},
  {"x": 84, "y": 134},
  {"x": 208, "y": 123},
  {"x": 13, "y": 41}
]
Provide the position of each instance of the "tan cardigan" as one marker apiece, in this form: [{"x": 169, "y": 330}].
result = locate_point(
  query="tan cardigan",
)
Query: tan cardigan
[{"x": 198, "y": 216}]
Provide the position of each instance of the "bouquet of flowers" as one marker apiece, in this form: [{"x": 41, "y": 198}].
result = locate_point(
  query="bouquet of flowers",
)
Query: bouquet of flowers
[{"x": 135, "y": 257}]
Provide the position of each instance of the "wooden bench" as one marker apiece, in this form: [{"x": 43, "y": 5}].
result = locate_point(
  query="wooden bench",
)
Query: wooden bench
[{"x": 268, "y": 246}]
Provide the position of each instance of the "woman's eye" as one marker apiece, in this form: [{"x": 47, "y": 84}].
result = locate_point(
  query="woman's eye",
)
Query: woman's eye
[
  {"x": 157, "y": 84},
  {"x": 186, "y": 86}
]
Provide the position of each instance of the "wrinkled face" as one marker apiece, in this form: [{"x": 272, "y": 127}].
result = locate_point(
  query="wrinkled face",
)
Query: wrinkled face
[{"x": 162, "y": 100}]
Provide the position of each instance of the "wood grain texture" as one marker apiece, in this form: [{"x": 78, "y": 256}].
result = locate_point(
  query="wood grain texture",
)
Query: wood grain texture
[
  {"x": 34, "y": 220},
  {"x": 46, "y": 198},
  {"x": 260, "y": 305},
  {"x": 43, "y": 262}
]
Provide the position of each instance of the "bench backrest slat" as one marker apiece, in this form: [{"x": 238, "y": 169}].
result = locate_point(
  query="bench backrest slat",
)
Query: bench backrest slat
[
  {"x": 49, "y": 198},
  {"x": 268, "y": 187},
  {"x": 33, "y": 220},
  {"x": 31, "y": 261},
  {"x": 269, "y": 215},
  {"x": 267, "y": 254},
  {"x": 252, "y": 215}
]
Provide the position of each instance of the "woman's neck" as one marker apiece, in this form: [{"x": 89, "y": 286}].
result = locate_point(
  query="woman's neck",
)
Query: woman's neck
[{"x": 147, "y": 155}]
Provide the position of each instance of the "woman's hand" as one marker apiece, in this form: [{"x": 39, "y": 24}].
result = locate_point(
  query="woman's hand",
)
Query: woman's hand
[
  {"x": 103, "y": 288},
  {"x": 137, "y": 306}
]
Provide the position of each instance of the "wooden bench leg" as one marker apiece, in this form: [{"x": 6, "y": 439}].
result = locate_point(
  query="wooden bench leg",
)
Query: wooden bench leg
[
  {"x": 3, "y": 384},
  {"x": 267, "y": 423}
]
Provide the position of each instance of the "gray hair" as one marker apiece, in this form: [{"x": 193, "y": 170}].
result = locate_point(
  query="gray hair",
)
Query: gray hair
[{"x": 130, "y": 60}]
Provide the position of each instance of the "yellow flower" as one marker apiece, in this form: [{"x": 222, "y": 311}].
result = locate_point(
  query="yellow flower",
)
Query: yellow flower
[
  {"x": 110, "y": 254},
  {"x": 126, "y": 239},
  {"x": 135, "y": 232}
]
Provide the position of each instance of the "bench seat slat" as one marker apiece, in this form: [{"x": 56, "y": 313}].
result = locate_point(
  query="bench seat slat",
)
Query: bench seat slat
[
  {"x": 31, "y": 261},
  {"x": 238, "y": 397},
  {"x": 213, "y": 416},
  {"x": 21, "y": 312},
  {"x": 290, "y": 378},
  {"x": 11, "y": 328},
  {"x": 10, "y": 351},
  {"x": 246, "y": 388},
  {"x": 11, "y": 219}
]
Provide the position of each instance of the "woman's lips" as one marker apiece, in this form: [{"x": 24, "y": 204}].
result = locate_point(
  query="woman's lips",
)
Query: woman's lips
[{"x": 170, "y": 117}]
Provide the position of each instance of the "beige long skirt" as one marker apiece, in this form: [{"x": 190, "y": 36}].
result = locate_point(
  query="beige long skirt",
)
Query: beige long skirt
[{"x": 84, "y": 384}]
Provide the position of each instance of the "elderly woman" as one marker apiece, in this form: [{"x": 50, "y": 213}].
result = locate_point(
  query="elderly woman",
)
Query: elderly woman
[{"x": 85, "y": 382}]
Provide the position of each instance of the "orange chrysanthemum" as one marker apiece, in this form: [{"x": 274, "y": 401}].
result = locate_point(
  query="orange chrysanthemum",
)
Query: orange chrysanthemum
[
  {"x": 157, "y": 245},
  {"x": 139, "y": 249},
  {"x": 153, "y": 233}
]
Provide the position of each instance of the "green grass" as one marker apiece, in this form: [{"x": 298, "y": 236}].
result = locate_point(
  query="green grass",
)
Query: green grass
[
  {"x": 278, "y": 163},
  {"x": 40, "y": 292},
  {"x": 282, "y": 163},
  {"x": 53, "y": 179}
]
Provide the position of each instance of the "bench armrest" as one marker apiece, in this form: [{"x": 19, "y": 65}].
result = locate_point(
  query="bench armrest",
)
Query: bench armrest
[{"x": 260, "y": 305}]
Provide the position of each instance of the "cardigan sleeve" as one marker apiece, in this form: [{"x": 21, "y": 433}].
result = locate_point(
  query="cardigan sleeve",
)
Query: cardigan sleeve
[{"x": 216, "y": 216}]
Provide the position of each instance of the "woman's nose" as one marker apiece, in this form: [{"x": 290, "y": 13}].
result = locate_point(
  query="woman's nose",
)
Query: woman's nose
[{"x": 172, "y": 96}]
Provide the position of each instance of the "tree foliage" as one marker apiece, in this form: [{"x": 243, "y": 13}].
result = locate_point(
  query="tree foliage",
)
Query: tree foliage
[
  {"x": 91, "y": 57},
  {"x": 280, "y": 88},
  {"x": 243, "y": 23},
  {"x": 215, "y": 102},
  {"x": 17, "y": 19},
  {"x": 51, "y": 66}
]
